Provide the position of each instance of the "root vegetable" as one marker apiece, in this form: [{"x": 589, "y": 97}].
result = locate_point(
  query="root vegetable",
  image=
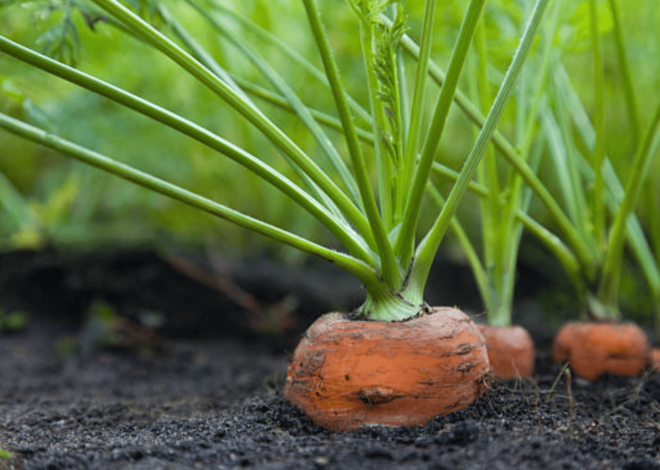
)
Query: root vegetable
[
  {"x": 510, "y": 351},
  {"x": 346, "y": 374},
  {"x": 593, "y": 349},
  {"x": 655, "y": 359}
]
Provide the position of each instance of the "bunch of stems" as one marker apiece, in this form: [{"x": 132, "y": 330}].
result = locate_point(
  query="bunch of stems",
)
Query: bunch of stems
[
  {"x": 376, "y": 222},
  {"x": 594, "y": 211}
]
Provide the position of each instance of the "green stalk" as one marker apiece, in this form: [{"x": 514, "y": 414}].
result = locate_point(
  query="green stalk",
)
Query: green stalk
[
  {"x": 291, "y": 96},
  {"x": 429, "y": 245},
  {"x": 547, "y": 238},
  {"x": 200, "y": 54},
  {"x": 200, "y": 134},
  {"x": 279, "y": 101},
  {"x": 356, "y": 267},
  {"x": 615, "y": 194},
  {"x": 389, "y": 267},
  {"x": 405, "y": 105},
  {"x": 406, "y": 239},
  {"x": 295, "y": 155},
  {"x": 384, "y": 167},
  {"x": 418, "y": 102},
  {"x": 564, "y": 157},
  {"x": 608, "y": 292},
  {"x": 488, "y": 296},
  {"x": 582, "y": 250},
  {"x": 598, "y": 156},
  {"x": 509, "y": 230},
  {"x": 268, "y": 38},
  {"x": 632, "y": 106},
  {"x": 543, "y": 76},
  {"x": 488, "y": 172},
  {"x": 519, "y": 201},
  {"x": 198, "y": 51}
]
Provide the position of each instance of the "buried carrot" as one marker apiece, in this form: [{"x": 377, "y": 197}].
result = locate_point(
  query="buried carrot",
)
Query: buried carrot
[
  {"x": 510, "y": 351},
  {"x": 592, "y": 349},
  {"x": 347, "y": 374},
  {"x": 655, "y": 359}
]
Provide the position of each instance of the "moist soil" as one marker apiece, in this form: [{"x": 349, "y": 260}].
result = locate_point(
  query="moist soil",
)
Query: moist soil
[{"x": 134, "y": 359}]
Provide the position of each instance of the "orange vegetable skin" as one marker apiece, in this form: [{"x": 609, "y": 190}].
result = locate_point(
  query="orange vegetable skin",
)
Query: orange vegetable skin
[
  {"x": 347, "y": 374},
  {"x": 655, "y": 359},
  {"x": 510, "y": 351},
  {"x": 593, "y": 349}
]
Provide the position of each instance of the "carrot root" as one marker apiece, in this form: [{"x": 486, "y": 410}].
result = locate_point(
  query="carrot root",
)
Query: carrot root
[
  {"x": 593, "y": 349},
  {"x": 348, "y": 374},
  {"x": 655, "y": 359},
  {"x": 511, "y": 351}
]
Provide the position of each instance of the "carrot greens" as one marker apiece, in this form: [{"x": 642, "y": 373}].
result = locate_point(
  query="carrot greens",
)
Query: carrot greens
[{"x": 368, "y": 188}]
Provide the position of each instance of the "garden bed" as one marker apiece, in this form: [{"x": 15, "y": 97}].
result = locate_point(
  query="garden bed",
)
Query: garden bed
[{"x": 180, "y": 399}]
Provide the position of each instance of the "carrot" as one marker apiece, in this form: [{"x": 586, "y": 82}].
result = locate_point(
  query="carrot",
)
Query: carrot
[
  {"x": 346, "y": 374},
  {"x": 655, "y": 359},
  {"x": 510, "y": 351},
  {"x": 594, "y": 348}
]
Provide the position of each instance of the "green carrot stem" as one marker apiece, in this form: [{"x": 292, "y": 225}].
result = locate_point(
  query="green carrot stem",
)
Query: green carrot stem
[
  {"x": 390, "y": 269},
  {"x": 268, "y": 38},
  {"x": 176, "y": 122},
  {"x": 598, "y": 204},
  {"x": 430, "y": 244},
  {"x": 562, "y": 252},
  {"x": 582, "y": 249},
  {"x": 632, "y": 106},
  {"x": 279, "y": 101},
  {"x": 197, "y": 50},
  {"x": 608, "y": 291},
  {"x": 326, "y": 145},
  {"x": 491, "y": 208},
  {"x": 418, "y": 102},
  {"x": 384, "y": 168},
  {"x": 480, "y": 274},
  {"x": 362, "y": 271},
  {"x": 615, "y": 193},
  {"x": 405, "y": 241},
  {"x": 294, "y": 154}
]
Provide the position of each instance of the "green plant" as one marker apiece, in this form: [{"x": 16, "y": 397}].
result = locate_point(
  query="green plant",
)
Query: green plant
[
  {"x": 589, "y": 167},
  {"x": 593, "y": 213},
  {"x": 505, "y": 200},
  {"x": 377, "y": 227},
  {"x": 111, "y": 211}
]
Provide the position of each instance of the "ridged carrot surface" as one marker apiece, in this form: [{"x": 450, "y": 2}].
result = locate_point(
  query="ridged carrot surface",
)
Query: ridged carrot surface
[{"x": 347, "y": 374}]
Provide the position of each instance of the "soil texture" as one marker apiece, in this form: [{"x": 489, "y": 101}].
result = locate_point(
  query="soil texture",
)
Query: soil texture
[{"x": 131, "y": 360}]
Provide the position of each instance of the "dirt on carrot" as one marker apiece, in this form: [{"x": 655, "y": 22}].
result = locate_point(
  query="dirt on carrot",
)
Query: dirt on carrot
[
  {"x": 511, "y": 351},
  {"x": 348, "y": 374},
  {"x": 593, "y": 349}
]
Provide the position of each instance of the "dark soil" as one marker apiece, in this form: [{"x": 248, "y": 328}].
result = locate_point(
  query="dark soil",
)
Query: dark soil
[{"x": 174, "y": 374}]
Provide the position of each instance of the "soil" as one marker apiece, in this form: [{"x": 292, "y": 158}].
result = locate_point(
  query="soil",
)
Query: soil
[{"x": 127, "y": 362}]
